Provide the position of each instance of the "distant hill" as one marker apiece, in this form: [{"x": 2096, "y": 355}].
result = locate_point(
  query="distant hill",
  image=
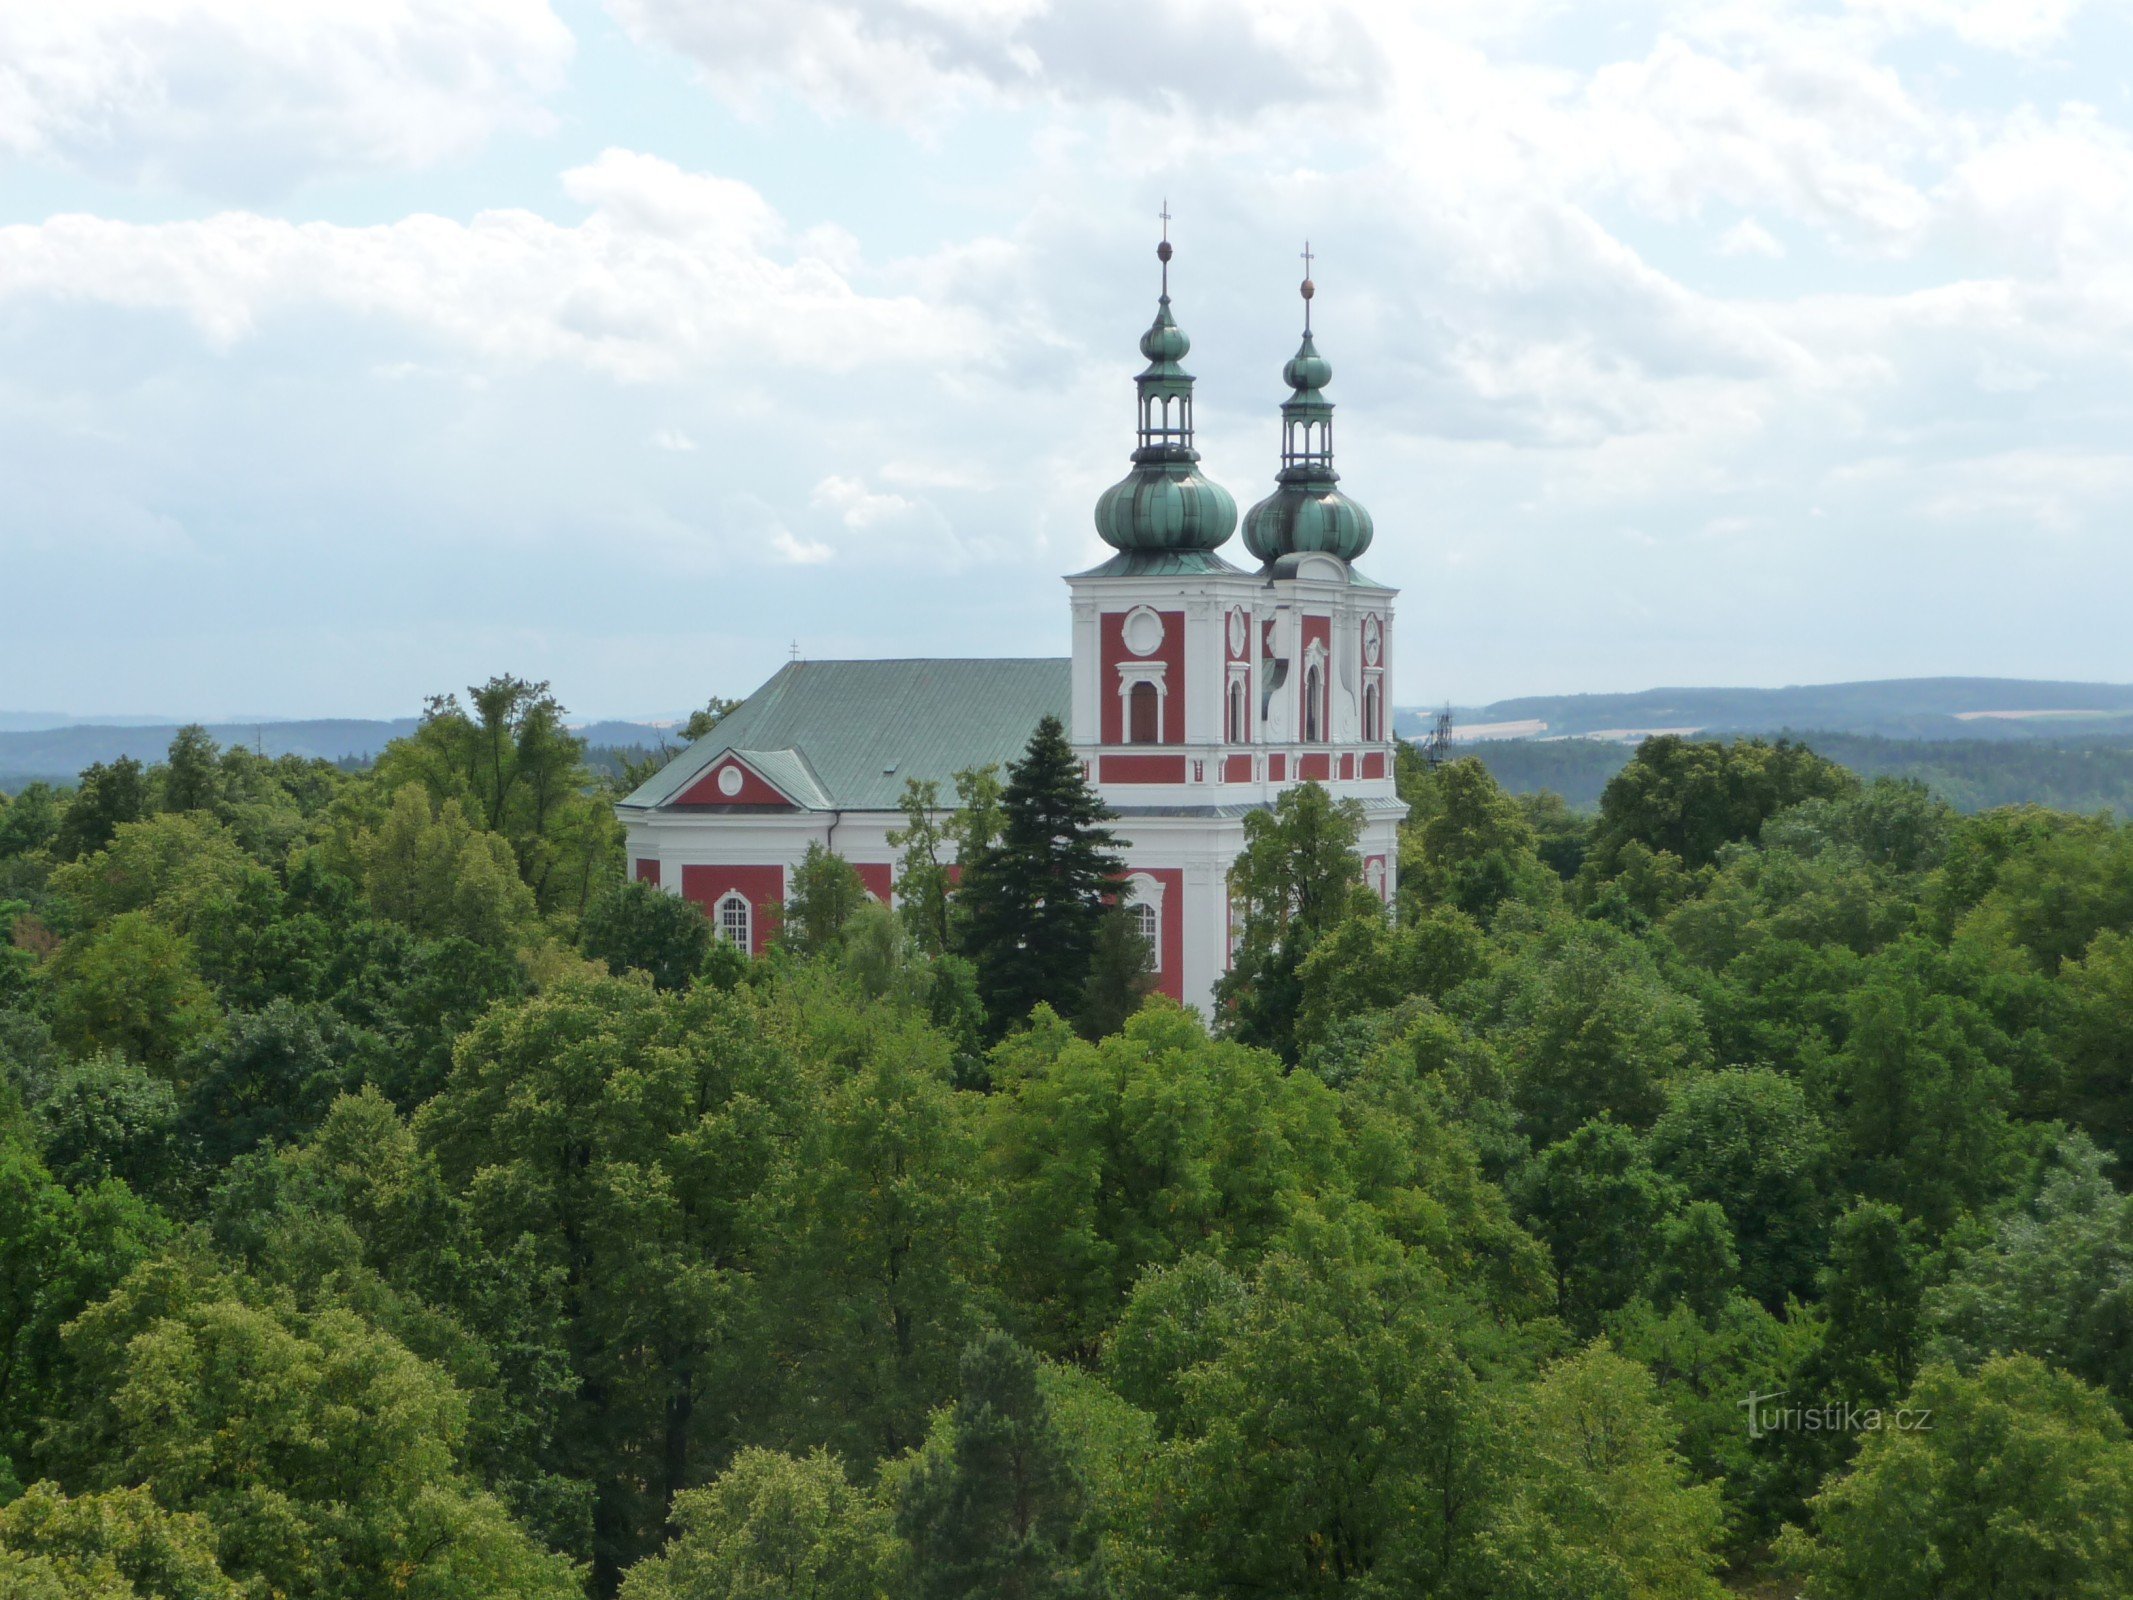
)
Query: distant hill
[
  {"x": 1896, "y": 708},
  {"x": 58, "y": 754}
]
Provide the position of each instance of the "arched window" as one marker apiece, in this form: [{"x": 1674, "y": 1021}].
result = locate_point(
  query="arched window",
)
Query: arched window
[
  {"x": 1239, "y": 712},
  {"x": 1314, "y": 706},
  {"x": 1370, "y": 714},
  {"x": 1145, "y": 714},
  {"x": 736, "y": 922},
  {"x": 1148, "y": 926}
]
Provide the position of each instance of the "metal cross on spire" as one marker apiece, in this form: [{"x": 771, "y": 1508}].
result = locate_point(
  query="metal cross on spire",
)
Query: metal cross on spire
[
  {"x": 1309, "y": 288},
  {"x": 1162, "y": 251}
]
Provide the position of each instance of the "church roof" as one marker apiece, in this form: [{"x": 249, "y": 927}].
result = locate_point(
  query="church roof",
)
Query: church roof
[{"x": 846, "y": 735}]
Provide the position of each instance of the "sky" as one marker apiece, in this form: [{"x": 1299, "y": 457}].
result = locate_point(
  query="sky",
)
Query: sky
[{"x": 354, "y": 352}]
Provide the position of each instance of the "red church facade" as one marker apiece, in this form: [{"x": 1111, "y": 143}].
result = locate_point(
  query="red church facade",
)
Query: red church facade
[{"x": 1197, "y": 691}]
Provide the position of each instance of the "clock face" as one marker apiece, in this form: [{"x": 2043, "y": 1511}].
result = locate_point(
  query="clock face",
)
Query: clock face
[
  {"x": 1236, "y": 633},
  {"x": 1373, "y": 641}
]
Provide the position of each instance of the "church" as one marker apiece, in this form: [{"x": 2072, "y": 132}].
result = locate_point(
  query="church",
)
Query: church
[{"x": 1198, "y": 690}]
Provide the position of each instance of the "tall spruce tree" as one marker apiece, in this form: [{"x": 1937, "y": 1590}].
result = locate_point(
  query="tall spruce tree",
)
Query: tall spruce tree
[
  {"x": 995, "y": 1509},
  {"x": 1034, "y": 899}
]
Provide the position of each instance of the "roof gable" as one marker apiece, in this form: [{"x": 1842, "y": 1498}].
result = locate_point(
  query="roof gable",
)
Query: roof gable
[
  {"x": 753, "y": 778},
  {"x": 847, "y": 735}
]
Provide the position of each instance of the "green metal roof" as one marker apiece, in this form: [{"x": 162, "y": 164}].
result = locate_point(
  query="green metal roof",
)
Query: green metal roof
[
  {"x": 1160, "y": 564},
  {"x": 846, "y": 735}
]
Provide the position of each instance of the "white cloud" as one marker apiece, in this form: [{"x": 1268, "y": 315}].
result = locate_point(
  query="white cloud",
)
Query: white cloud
[
  {"x": 912, "y": 61},
  {"x": 673, "y": 439},
  {"x": 2019, "y": 26},
  {"x": 800, "y": 552},
  {"x": 249, "y": 97},
  {"x": 1748, "y": 237},
  {"x": 671, "y": 272},
  {"x": 858, "y": 507}
]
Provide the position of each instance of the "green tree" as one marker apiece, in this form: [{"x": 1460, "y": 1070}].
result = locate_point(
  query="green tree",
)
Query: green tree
[
  {"x": 1920, "y": 1094},
  {"x": 992, "y": 1509},
  {"x": 1689, "y": 797},
  {"x": 118, "y": 1545},
  {"x": 713, "y": 711},
  {"x": 1121, "y": 975},
  {"x": 105, "y": 1117},
  {"x": 771, "y": 1527},
  {"x": 191, "y": 771},
  {"x": 174, "y": 865},
  {"x": 1177, "y": 1317},
  {"x": 878, "y": 1244},
  {"x": 1474, "y": 849},
  {"x": 267, "y": 1076},
  {"x": 1594, "y": 1027},
  {"x": 1746, "y": 1139},
  {"x": 2092, "y": 1040},
  {"x": 1335, "y": 1444},
  {"x": 1603, "y": 1504},
  {"x": 1032, "y": 901},
  {"x": 1871, "y": 1300},
  {"x": 134, "y": 987},
  {"x": 1365, "y": 963},
  {"x": 639, "y": 927},
  {"x": 1107, "y": 1158},
  {"x": 60, "y": 1251},
  {"x": 2012, "y": 1484},
  {"x": 922, "y": 872},
  {"x": 1597, "y": 1204},
  {"x": 629, "y": 1136},
  {"x": 1293, "y": 882},
  {"x": 2053, "y": 1278},
  {"x": 322, "y": 1453},
  {"x": 30, "y": 820},
  {"x": 105, "y": 797},
  {"x": 431, "y": 869},
  {"x": 824, "y": 892},
  {"x": 520, "y": 774}
]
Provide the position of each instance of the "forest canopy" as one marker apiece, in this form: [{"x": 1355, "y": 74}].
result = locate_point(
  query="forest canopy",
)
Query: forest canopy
[{"x": 395, "y": 1201}]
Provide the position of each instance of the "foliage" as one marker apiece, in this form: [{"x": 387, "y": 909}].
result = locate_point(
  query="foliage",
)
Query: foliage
[
  {"x": 1293, "y": 882},
  {"x": 394, "y": 1201},
  {"x": 638, "y": 927},
  {"x": 516, "y": 773},
  {"x": 1033, "y": 897},
  {"x": 768, "y": 1527},
  {"x": 992, "y": 1508},
  {"x": 132, "y": 986},
  {"x": 1121, "y": 975},
  {"x": 823, "y": 893},
  {"x": 2013, "y": 1482}
]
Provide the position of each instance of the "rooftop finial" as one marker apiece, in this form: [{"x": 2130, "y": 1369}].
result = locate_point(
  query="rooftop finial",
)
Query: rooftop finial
[
  {"x": 1309, "y": 288},
  {"x": 1162, "y": 251}
]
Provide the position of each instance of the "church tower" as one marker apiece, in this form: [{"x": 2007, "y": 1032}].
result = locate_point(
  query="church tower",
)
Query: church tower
[{"x": 1201, "y": 690}]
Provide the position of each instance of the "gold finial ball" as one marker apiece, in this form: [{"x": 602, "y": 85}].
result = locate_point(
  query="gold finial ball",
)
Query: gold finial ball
[
  {"x": 1162, "y": 252},
  {"x": 1309, "y": 288}
]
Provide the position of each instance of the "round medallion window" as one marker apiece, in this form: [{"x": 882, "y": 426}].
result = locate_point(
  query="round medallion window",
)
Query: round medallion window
[
  {"x": 1373, "y": 641},
  {"x": 729, "y": 781},
  {"x": 1144, "y": 631},
  {"x": 1236, "y": 633}
]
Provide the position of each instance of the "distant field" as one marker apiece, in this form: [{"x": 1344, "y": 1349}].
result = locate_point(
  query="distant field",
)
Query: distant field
[
  {"x": 1970, "y": 774},
  {"x": 1903, "y": 708}
]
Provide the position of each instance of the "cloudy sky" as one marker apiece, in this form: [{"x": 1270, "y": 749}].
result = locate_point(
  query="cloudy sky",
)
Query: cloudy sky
[{"x": 351, "y": 351}]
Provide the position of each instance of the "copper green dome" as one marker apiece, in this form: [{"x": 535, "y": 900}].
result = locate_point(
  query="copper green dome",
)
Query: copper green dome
[
  {"x": 1306, "y": 513},
  {"x": 1164, "y": 503}
]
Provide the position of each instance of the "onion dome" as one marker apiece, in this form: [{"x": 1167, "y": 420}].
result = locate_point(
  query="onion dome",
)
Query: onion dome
[
  {"x": 1306, "y": 513},
  {"x": 1164, "y": 503}
]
